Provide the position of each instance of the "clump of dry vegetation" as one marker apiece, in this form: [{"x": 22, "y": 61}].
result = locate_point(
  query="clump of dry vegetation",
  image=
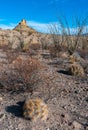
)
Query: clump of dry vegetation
[
  {"x": 76, "y": 70},
  {"x": 34, "y": 109},
  {"x": 66, "y": 38},
  {"x": 35, "y": 46},
  {"x": 26, "y": 71},
  {"x": 22, "y": 74}
]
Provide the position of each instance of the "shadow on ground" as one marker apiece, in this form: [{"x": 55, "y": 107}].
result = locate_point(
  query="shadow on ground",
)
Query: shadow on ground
[
  {"x": 64, "y": 72},
  {"x": 15, "y": 110}
]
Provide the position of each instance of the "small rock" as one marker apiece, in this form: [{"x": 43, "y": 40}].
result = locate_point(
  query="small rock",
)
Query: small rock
[
  {"x": 66, "y": 117},
  {"x": 86, "y": 99},
  {"x": 2, "y": 116},
  {"x": 47, "y": 129},
  {"x": 0, "y": 98},
  {"x": 77, "y": 125}
]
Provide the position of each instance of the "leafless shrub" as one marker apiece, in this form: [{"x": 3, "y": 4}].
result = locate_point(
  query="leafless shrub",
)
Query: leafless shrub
[
  {"x": 54, "y": 51},
  {"x": 57, "y": 40},
  {"x": 83, "y": 53},
  {"x": 83, "y": 47},
  {"x": 26, "y": 71},
  {"x": 11, "y": 55},
  {"x": 44, "y": 42},
  {"x": 4, "y": 47},
  {"x": 84, "y": 44},
  {"x": 22, "y": 75},
  {"x": 63, "y": 34},
  {"x": 35, "y": 46}
]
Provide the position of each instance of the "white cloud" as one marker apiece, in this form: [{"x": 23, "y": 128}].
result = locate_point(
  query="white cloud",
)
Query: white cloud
[
  {"x": 10, "y": 26},
  {"x": 41, "y": 27}
]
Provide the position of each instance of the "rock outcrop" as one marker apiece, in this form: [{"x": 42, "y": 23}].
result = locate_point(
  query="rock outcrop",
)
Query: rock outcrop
[
  {"x": 23, "y": 27},
  {"x": 23, "y": 35}
]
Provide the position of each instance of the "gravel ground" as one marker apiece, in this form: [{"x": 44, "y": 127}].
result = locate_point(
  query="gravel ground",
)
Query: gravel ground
[{"x": 65, "y": 95}]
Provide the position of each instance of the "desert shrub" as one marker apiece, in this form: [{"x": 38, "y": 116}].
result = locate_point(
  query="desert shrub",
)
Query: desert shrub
[
  {"x": 76, "y": 70},
  {"x": 84, "y": 49},
  {"x": 44, "y": 43},
  {"x": 34, "y": 109},
  {"x": 26, "y": 71},
  {"x": 55, "y": 52},
  {"x": 57, "y": 40},
  {"x": 63, "y": 34},
  {"x": 73, "y": 37},
  {"x": 83, "y": 53},
  {"x": 35, "y": 46},
  {"x": 26, "y": 48},
  {"x": 12, "y": 55},
  {"x": 84, "y": 42},
  {"x": 21, "y": 45},
  {"x": 22, "y": 75},
  {"x": 4, "y": 47}
]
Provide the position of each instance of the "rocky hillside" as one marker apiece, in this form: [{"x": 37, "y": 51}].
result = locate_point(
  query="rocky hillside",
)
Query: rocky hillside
[{"x": 22, "y": 34}]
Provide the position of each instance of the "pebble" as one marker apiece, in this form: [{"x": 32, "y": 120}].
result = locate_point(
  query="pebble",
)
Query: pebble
[
  {"x": 77, "y": 125},
  {"x": 0, "y": 98},
  {"x": 47, "y": 129},
  {"x": 2, "y": 116}
]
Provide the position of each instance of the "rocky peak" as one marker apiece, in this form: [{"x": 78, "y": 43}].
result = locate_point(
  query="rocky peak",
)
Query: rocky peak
[
  {"x": 23, "y": 22},
  {"x": 23, "y": 27}
]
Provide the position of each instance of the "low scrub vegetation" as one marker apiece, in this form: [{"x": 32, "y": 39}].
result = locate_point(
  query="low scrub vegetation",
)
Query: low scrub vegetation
[
  {"x": 22, "y": 75},
  {"x": 69, "y": 38}
]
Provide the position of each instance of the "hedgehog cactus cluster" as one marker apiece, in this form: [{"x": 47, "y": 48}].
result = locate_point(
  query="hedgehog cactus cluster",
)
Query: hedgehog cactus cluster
[
  {"x": 76, "y": 69},
  {"x": 34, "y": 109}
]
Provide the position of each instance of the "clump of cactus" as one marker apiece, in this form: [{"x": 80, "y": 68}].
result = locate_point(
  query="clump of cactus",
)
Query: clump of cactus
[
  {"x": 34, "y": 109},
  {"x": 76, "y": 69}
]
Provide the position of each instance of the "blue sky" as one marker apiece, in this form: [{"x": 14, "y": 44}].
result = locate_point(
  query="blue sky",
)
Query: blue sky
[{"x": 39, "y": 13}]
